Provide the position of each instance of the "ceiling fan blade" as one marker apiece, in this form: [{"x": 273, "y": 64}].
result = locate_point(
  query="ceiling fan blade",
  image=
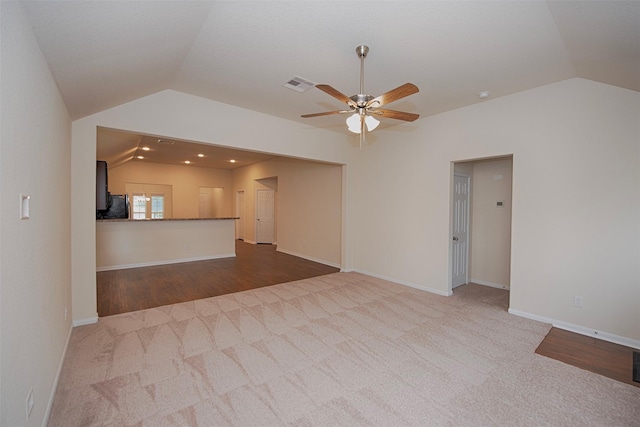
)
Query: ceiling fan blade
[
  {"x": 392, "y": 114},
  {"x": 326, "y": 113},
  {"x": 393, "y": 95},
  {"x": 336, "y": 94}
]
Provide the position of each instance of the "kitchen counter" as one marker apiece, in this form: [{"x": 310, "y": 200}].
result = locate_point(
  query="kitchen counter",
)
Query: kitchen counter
[
  {"x": 161, "y": 219},
  {"x": 129, "y": 243}
]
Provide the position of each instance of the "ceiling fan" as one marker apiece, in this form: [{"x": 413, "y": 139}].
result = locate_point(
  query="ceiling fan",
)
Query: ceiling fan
[{"x": 364, "y": 107}]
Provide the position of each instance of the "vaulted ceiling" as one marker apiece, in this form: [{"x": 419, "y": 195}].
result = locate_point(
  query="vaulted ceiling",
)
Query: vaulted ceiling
[{"x": 105, "y": 53}]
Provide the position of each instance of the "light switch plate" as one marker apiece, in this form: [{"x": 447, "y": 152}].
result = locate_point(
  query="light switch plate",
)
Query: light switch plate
[{"x": 24, "y": 206}]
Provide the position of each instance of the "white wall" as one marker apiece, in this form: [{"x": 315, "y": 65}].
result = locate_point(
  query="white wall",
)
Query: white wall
[
  {"x": 576, "y": 204},
  {"x": 35, "y": 267},
  {"x": 178, "y": 115}
]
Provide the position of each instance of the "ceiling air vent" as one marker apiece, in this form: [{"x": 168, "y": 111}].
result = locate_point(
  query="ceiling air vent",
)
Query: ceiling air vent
[
  {"x": 299, "y": 84},
  {"x": 166, "y": 142}
]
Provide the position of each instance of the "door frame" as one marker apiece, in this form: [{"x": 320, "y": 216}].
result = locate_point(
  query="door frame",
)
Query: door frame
[
  {"x": 240, "y": 214},
  {"x": 473, "y": 197}
]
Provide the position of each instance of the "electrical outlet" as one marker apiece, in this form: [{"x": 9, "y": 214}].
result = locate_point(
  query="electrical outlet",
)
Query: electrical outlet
[
  {"x": 578, "y": 301},
  {"x": 29, "y": 403},
  {"x": 66, "y": 313}
]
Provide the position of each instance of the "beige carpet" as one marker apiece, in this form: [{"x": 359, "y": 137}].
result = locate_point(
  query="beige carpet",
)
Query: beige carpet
[{"x": 342, "y": 349}]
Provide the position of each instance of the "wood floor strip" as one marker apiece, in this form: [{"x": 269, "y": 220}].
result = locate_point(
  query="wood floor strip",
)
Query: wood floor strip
[
  {"x": 601, "y": 357},
  {"x": 255, "y": 266}
]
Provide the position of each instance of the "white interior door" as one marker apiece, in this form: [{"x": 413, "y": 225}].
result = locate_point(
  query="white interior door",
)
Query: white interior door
[
  {"x": 265, "y": 213},
  {"x": 205, "y": 205},
  {"x": 460, "y": 244}
]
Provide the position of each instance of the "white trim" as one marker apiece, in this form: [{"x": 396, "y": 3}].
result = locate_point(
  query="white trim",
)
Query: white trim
[
  {"x": 485, "y": 283},
  {"x": 320, "y": 261},
  {"x": 87, "y": 321},
  {"x": 54, "y": 387},
  {"x": 240, "y": 216},
  {"x": 606, "y": 336},
  {"x": 405, "y": 283},
  {"x": 163, "y": 262}
]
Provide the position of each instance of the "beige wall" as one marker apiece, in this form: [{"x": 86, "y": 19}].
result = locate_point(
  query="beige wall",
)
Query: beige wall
[
  {"x": 185, "y": 181},
  {"x": 491, "y": 225},
  {"x": 35, "y": 261},
  {"x": 308, "y": 205}
]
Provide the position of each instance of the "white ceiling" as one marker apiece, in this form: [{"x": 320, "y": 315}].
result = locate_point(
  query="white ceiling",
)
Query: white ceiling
[{"x": 105, "y": 53}]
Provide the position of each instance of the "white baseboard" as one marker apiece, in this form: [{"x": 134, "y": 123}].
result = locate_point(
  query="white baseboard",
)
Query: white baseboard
[
  {"x": 485, "y": 283},
  {"x": 606, "y": 336},
  {"x": 321, "y": 261},
  {"x": 405, "y": 283},
  {"x": 54, "y": 387},
  {"x": 163, "y": 262},
  {"x": 87, "y": 321}
]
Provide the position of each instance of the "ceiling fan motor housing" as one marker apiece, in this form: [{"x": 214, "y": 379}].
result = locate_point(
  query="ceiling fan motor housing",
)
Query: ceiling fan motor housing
[
  {"x": 362, "y": 51},
  {"x": 361, "y": 99}
]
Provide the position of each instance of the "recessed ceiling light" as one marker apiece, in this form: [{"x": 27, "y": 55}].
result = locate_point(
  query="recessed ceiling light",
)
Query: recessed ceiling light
[
  {"x": 483, "y": 95},
  {"x": 140, "y": 157},
  {"x": 146, "y": 148},
  {"x": 200, "y": 155},
  {"x": 232, "y": 161},
  {"x": 187, "y": 162}
]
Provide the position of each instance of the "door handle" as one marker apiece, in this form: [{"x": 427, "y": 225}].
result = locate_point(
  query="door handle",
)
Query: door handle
[{"x": 455, "y": 239}]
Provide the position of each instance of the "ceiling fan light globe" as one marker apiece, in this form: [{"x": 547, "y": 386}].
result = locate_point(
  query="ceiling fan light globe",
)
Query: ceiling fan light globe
[
  {"x": 371, "y": 123},
  {"x": 353, "y": 122}
]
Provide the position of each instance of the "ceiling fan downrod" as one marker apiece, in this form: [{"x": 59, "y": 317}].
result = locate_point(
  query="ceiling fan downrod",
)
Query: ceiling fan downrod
[
  {"x": 362, "y": 51},
  {"x": 361, "y": 99}
]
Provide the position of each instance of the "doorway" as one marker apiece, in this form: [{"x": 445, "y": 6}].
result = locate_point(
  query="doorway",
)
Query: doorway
[
  {"x": 211, "y": 201},
  {"x": 480, "y": 245},
  {"x": 240, "y": 215}
]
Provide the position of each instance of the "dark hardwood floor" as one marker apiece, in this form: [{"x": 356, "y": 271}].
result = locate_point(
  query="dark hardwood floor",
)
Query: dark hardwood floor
[
  {"x": 602, "y": 357},
  {"x": 255, "y": 266}
]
